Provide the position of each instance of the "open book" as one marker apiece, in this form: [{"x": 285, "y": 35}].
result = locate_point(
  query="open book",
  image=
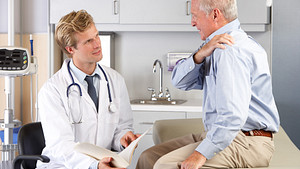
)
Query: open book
[{"x": 121, "y": 160}]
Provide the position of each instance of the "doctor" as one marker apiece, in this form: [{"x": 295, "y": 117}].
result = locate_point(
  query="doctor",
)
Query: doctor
[{"x": 75, "y": 109}]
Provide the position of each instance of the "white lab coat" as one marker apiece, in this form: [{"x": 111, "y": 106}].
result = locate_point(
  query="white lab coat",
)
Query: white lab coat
[{"x": 103, "y": 129}]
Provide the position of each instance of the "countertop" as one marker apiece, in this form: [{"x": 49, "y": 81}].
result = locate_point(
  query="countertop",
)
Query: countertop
[{"x": 191, "y": 105}]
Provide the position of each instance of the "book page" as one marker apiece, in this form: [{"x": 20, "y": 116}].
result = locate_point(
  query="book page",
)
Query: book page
[
  {"x": 121, "y": 160},
  {"x": 127, "y": 153},
  {"x": 98, "y": 153}
]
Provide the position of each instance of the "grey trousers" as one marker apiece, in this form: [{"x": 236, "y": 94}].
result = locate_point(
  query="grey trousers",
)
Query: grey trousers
[{"x": 243, "y": 152}]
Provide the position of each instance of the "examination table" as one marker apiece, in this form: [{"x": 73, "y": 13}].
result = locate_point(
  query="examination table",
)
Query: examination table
[{"x": 286, "y": 156}]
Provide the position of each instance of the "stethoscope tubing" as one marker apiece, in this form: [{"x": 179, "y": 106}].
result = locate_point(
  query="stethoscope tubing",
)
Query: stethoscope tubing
[
  {"x": 108, "y": 88},
  {"x": 79, "y": 88}
]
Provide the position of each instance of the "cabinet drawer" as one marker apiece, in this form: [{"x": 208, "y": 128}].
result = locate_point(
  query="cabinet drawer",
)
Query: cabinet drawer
[
  {"x": 191, "y": 115},
  {"x": 103, "y": 11},
  {"x": 145, "y": 120},
  {"x": 155, "y": 12}
]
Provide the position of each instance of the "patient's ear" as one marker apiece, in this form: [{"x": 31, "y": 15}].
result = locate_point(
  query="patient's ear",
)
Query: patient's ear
[{"x": 216, "y": 14}]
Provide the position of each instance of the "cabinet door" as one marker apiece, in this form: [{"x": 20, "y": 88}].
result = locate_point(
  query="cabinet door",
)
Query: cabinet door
[
  {"x": 145, "y": 120},
  {"x": 103, "y": 11},
  {"x": 191, "y": 115},
  {"x": 155, "y": 12},
  {"x": 253, "y": 11}
]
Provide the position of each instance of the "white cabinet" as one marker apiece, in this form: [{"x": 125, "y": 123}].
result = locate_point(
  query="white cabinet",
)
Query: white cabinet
[
  {"x": 103, "y": 11},
  {"x": 143, "y": 120},
  {"x": 155, "y": 12},
  {"x": 132, "y": 11},
  {"x": 192, "y": 115},
  {"x": 254, "y": 12},
  {"x": 178, "y": 11},
  {"x": 254, "y": 15},
  {"x": 155, "y": 15}
]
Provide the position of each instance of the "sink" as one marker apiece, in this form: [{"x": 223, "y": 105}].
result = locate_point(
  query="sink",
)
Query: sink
[{"x": 157, "y": 102}]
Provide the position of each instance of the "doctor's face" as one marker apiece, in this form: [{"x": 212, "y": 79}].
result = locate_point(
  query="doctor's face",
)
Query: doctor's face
[{"x": 88, "y": 49}]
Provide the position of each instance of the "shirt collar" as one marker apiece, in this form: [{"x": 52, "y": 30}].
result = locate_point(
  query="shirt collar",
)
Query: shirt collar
[
  {"x": 80, "y": 75},
  {"x": 233, "y": 25}
]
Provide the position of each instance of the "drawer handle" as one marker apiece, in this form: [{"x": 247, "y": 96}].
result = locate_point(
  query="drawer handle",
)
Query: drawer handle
[
  {"x": 188, "y": 5},
  {"x": 116, "y": 7},
  {"x": 147, "y": 123},
  {"x": 269, "y": 3}
]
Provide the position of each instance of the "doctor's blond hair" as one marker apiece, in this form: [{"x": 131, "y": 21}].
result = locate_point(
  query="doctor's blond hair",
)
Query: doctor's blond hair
[
  {"x": 227, "y": 7},
  {"x": 68, "y": 25}
]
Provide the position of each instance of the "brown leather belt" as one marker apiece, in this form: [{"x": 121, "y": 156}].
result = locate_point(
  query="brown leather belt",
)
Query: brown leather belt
[{"x": 258, "y": 133}]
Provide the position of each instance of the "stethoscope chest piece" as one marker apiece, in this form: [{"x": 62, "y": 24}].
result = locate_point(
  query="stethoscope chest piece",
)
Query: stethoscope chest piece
[{"x": 112, "y": 108}]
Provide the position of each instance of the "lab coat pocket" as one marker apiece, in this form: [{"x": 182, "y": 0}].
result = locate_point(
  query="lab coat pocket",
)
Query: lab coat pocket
[{"x": 210, "y": 93}]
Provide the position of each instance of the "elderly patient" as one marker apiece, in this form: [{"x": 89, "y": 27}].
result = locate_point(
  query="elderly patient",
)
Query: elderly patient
[{"x": 240, "y": 115}]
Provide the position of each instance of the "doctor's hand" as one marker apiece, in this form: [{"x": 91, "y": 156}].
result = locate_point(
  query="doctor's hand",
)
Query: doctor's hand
[
  {"x": 105, "y": 163},
  {"x": 194, "y": 161},
  {"x": 128, "y": 138},
  {"x": 217, "y": 41}
]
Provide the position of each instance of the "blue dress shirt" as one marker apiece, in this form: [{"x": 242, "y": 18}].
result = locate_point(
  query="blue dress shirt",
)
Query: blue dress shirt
[{"x": 237, "y": 89}]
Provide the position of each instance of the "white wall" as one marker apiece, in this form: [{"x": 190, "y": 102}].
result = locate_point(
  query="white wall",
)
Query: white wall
[
  {"x": 35, "y": 16},
  {"x": 32, "y": 13},
  {"x": 286, "y": 61},
  {"x": 4, "y": 15},
  {"x": 135, "y": 53}
]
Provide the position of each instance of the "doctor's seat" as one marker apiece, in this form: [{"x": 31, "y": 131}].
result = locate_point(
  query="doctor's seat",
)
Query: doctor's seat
[{"x": 31, "y": 142}]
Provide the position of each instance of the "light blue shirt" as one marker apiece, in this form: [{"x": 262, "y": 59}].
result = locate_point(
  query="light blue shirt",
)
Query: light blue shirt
[
  {"x": 81, "y": 76},
  {"x": 237, "y": 89}
]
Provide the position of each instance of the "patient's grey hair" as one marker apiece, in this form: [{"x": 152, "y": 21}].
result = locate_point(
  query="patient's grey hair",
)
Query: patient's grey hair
[{"x": 227, "y": 7}]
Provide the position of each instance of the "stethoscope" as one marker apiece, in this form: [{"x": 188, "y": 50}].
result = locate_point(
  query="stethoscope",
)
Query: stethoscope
[{"x": 111, "y": 108}]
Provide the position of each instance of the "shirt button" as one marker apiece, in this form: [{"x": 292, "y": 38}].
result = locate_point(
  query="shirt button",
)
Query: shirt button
[{"x": 191, "y": 67}]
